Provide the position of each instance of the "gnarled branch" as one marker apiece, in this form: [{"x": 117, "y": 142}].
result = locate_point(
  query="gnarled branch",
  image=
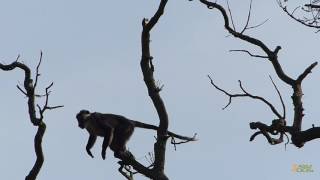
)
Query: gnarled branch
[
  {"x": 246, "y": 94},
  {"x": 297, "y": 136},
  {"x": 30, "y": 93},
  {"x": 147, "y": 67},
  {"x": 312, "y": 11}
]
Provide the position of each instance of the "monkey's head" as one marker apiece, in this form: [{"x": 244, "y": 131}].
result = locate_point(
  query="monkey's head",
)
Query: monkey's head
[{"x": 82, "y": 118}]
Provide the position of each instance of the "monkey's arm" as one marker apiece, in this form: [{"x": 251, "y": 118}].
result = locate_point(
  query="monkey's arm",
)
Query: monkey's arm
[
  {"x": 91, "y": 141},
  {"x": 107, "y": 141}
]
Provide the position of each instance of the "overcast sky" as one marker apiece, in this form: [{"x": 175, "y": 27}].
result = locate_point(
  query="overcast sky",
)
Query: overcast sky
[{"x": 92, "y": 54}]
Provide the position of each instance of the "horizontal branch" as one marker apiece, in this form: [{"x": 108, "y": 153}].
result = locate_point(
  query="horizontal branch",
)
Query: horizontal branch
[
  {"x": 29, "y": 88},
  {"x": 246, "y": 94},
  {"x": 298, "y": 138},
  {"x": 248, "y": 52},
  {"x": 314, "y": 6}
]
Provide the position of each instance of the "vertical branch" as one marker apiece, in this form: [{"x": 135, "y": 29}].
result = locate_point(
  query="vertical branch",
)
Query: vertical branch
[
  {"x": 153, "y": 91},
  {"x": 156, "y": 170},
  {"x": 39, "y": 153}
]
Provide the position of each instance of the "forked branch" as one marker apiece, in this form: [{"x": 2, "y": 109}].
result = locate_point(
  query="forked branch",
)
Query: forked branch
[
  {"x": 29, "y": 91},
  {"x": 245, "y": 94},
  {"x": 147, "y": 67},
  {"x": 298, "y": 137},
  {"x": 310, "y": 13}
]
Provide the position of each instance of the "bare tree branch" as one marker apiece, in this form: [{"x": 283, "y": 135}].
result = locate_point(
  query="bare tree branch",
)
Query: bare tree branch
[
  {"x": 231, "y": 18},
  {"x": 37, "y": 70},
  {"x": 173, "y": 141},
  {"x": 306, "y": 72},
  {"x": 258, "y": 25},
  {"x": 30, "y": 93},
  {"x": 298, "y": 137},
  {"x": 281, "y": 99},
  {"x": 312, "y": 9},
  {"x": 248, "y": 18},
  {"x": 246, "y": 94},
  {"x": 156, "y": 169},
  {"x": 153, "y": 91},
  {"x": 21, "y": 90},
  {"x": 248, "y": 52}
]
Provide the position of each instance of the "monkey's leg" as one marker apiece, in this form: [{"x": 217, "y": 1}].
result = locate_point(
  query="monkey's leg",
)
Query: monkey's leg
[
  {"x": 91, "y": 141},
  {"x": 108, "y": 138},
  {"x": 121, "y": 141}
]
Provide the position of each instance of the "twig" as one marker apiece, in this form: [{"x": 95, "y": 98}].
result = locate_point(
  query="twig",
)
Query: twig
[
  {"x": 273, "y": 109},
  {"x": 229, "y": 10},
  {"x": 174, "y": 143},
  {"x": 245, "y": 94},
  {"x": 225, "y": 92},
  {"x": 23, "y": 92},
  {"x": 248, "y": 52},
  {"x": 37, "y": 70},
  {"x": 17, "y": 59},
  {"x": 279, "y": 94},
  {"x": 258, "y": 25},
  {"x": 312, "y": 24},
  {"x": 248, "y": 18}
]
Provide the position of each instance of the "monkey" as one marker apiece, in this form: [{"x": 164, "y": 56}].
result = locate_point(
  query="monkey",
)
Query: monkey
[{"x": 115, "y": 129}]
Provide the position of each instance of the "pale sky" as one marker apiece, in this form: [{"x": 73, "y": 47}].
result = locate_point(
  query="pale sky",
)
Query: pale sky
[{"x": 92, "y": 54}]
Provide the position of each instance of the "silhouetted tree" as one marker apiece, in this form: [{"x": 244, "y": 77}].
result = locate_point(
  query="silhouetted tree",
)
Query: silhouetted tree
[
  {"x": 29, "y": 92},
  {"x": 307, "y": 13},
  {"x": 278, "y": 125},
  {"x": 156, "y": 170}
]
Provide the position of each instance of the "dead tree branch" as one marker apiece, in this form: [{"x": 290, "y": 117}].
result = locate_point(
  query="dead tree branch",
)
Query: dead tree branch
[
  {"x": 30, "y": 93},
  {"x": 246, "y": 94},
  {"x": 310, "y": 13},
  {"x": 280, "y": 97},
  {"x": 248, "y": 52},
  {"x": 156, "y": 171},
  {"x": 298, "y": 137}
]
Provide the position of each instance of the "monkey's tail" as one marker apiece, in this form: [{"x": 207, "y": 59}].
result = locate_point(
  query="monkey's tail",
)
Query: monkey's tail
[{"x": 149, "y": 126}]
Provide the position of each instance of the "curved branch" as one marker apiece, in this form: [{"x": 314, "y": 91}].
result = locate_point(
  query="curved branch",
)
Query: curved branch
[
  {"x": 246, "y": 94},
  {"x": 153, "y": 91},
  {"x": 298, "y": 138},
  {"x": 38, "y": 149},
  {"x": 28, "y": 85},
  {"x": 30, "y": 93},
  {"x": 272, "y": 55},
  {"x": 273, "y": 109},
  {"x": 312, "y": 22}
]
